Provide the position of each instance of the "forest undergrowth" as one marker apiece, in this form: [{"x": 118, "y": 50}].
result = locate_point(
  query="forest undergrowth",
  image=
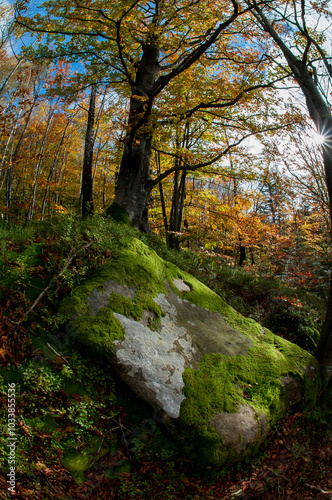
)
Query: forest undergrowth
[{"x": 65, "y": 403}]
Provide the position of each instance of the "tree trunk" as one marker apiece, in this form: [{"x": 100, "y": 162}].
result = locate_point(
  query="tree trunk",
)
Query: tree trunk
[
  {"x": 87, "y": 181},
  {"x": 252, "y": 255},
  {"x": 243, "y": 255},
  {"x": 38, "y": 166},
  {"x": 320, "y": 114},
  {"x": 163, "y": 207},
  {"x": 179, "y": 192},
  {"x": 10, "y": 171},
  {"x": 175, "y": 223},
  {"x": 133, "y": 186},
  {"x": 324, "y": 348},
  {"x": 322, "y": 118}
]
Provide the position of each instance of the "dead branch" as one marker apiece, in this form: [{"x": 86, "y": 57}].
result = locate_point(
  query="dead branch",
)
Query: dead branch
[
  {"x": 53, "y": 280},
  {"x": 318, "y": 490}
]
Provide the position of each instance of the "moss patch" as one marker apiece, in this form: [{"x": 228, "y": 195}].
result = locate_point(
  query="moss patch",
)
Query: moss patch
[
  {"x": 46, "y": 424},
  {"x": 16, "y": 267},
  {"x": 118, "y": 214},
  {"x": 135, "y": 265},
  {"x": 97, "y": 333},
  {"x": 222, "y": 382},
  {"x": 77, "y": 462}
]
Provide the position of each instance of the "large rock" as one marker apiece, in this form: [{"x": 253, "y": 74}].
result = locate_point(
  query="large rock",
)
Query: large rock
[{"x": 221, "y": 380}]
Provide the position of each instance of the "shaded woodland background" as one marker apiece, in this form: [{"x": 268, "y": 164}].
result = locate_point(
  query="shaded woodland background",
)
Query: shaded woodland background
[
  {"x": 253, "y": 224},
  {"x": 263, "y": 205}
]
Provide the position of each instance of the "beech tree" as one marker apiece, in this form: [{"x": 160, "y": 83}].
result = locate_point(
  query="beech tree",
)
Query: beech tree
[
  {"x": 142, "y": 47},
  {"x": 306, "y": 61}
]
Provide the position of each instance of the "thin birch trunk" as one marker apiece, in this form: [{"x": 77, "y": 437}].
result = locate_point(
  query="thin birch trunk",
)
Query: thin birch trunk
[
  {"x": 54, "y": 165},
  {"x": 38, "y": 165}
]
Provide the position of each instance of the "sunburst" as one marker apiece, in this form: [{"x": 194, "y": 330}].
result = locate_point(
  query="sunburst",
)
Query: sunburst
[
  {"x": 323, "y": 137},
  {"x": 318, "y": 139}
]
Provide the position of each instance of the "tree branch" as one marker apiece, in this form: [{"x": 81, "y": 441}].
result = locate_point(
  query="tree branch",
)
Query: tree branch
[
  {"x": 53, "y": 280},
  {"x": 193, "y": 168},
  {"x": 195, "y": 54}
]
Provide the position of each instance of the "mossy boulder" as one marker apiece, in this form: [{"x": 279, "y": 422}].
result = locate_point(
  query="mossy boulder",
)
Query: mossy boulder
[{"x": 221, "y": 380}]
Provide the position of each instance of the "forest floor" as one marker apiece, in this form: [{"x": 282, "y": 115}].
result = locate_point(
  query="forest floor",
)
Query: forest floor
[{"x": 296, "y": 463}]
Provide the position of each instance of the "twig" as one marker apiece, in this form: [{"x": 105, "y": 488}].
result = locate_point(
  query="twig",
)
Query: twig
[
  {"x": 65, "y": 360},
  {"x": 278, "y": 475},
  {"x": 318, "y": 490},
  {"x": 124, "y": 439},
  {"x": 96, "y": 454},
  {"x": 44, "y": 292},
  {"x": 59, "y": 355},
  {"x": 120, "y": 426}
]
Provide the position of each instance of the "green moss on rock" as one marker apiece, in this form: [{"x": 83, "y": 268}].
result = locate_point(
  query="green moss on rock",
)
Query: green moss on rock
[
  {"x": 223, "y": 382},
  {"x": 97, "y": 333},
  {"x": 77, "y": 462},
  {"x": 135, "y": 266}
]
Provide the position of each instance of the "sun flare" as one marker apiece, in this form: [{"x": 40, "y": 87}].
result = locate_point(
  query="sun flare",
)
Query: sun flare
[{"x": 319, "y": 139}]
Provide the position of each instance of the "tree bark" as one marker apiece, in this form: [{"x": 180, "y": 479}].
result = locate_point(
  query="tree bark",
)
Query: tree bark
[
  {"x": 163, "y": 207},
  {"x": 243, "y": 255},
  {"x": 133, "y": 186},
  {"x": 322, "y": 118},
  {"x": 87, "y": 180},
  {"x": 176, "y": 216},
  {"x": 324, "y": 348},
  {"x": 132, "y": 192}
]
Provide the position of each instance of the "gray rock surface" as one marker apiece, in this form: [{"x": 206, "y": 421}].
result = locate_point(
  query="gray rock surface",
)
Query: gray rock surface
[
  {"x": 293, "y": 390},
  {"x": 209, "y": 331},
  {"x": 99, "y": 298},
  {"x": 152, "y": 362},
  {"x": 196, "y": 363},
  {"x": 181, "y": 285},
  {"x": 241, "y": 429}
]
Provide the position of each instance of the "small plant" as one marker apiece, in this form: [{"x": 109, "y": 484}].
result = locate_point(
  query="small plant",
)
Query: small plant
[
  {"x": 41, "y": 379},
  {"x": 84, "y": 413}
]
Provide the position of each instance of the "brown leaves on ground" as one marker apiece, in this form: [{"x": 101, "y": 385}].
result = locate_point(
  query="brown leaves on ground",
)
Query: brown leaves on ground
[
  {"x": 297, "y": 465},
  {"x": 15, "y": 344}
]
